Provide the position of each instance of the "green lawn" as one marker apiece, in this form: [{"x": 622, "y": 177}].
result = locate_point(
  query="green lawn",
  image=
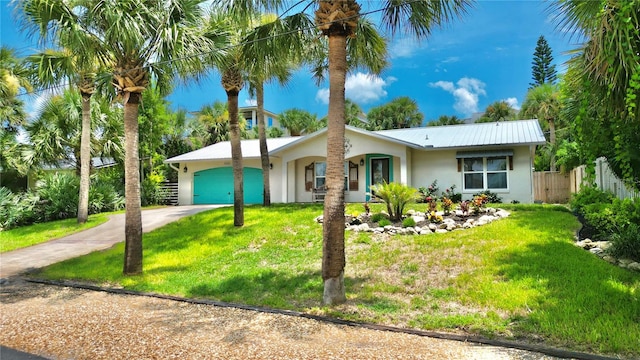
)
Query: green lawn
[
  {"x": 517, "y": 278},
  {"x": 38, "y": 233}
]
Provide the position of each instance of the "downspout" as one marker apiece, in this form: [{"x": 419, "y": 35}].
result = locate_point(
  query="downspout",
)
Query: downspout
[{"x": 173, "y": 167}]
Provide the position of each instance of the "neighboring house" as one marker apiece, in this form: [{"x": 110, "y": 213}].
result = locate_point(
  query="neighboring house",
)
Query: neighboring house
[
  {"x": 474, "y": 157},
  {"x": 250, "y": 113},
  {"x": 65, "y": 166}
]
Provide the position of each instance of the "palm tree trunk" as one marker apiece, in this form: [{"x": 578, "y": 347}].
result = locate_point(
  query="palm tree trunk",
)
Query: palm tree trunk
[
  {"x": 133, "y": 216},
  {"x": 85, "y": 160},
  {"x": 552, "y": 140},
  {"x": 236, "y": 158},
  {"x": 264, "y": 152},
  {"x": 333, "y": 256}
]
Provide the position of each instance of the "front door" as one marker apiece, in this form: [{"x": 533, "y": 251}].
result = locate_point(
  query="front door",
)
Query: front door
[{"x": 379, "y": 170}]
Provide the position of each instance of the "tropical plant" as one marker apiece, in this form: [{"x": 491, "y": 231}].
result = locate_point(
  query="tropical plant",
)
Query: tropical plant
[
  {"x": 299, "y": 121},
  {"x": 396, "y": 196},
  {"x": 497, "y": 111},
  {"x": 273, "y": 57},
  {"x": 13, "y": 78},
  {"x": 446, "y": 120},
  {"x": 137, "y": 40},
  {"x": 604, "y": 81},
  {"x": 542, "y": 71},
  {"x": 399, "y": 113},
  {"x": 348, "y": 33},
  {"x": 543, "y": 102}
]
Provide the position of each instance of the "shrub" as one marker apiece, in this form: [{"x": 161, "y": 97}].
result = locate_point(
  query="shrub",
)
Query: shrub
[
  {"x": 447, "y": 204},
  {"x": 428, "y": 192},
  {"x": 151, "y": 191},
  {"x": 605, "y": 218},
  {"x": 626, "y": 242},
  {"x": 589, "y": 195},
  {"x": 377, "y": 217},
  {"x": 396, "y": 196},
  {"x": 479, "y": 202},
  {"x": 451, "y": 194},
  {"x": 59, "y": 196},
  {"x": 492, "y": 198},
  {"x": 435, "y": 218},
  {"x": 408, "y": 222},
  {"x": 384, "y": 222}
]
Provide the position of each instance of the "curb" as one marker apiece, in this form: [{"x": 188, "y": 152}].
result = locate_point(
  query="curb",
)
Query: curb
[{"x": 546, "y": 350}]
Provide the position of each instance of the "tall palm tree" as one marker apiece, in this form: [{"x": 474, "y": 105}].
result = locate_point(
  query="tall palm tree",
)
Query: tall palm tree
[
  {"x": 543, "y": 102},
  {"x": 13, "y": 78},
  {"x": 274, "y": 57},
  {"x": 339, "y": 21},
  {"x": 138, "y": 40},
  {"x": 51, "y": 68}
]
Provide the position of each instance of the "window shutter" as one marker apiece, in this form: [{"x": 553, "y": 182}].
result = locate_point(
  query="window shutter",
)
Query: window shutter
[
  {"x": 353, "y": 176},
  {"x": 308, "y": 177}
]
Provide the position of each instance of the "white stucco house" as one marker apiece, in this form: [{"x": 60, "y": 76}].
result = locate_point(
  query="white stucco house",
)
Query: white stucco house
[{"x": 474, "y": 157}]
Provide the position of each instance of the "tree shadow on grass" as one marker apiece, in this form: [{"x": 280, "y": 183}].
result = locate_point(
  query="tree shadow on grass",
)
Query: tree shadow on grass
[{"x": 580, "y": 298}]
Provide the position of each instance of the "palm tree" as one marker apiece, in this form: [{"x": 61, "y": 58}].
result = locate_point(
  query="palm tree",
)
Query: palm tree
[
  {"x": 446, "y": 120},
  {"x": 339, "y": 21},
  {"x": 498, "y": 111},
  {"x": 13, "y": 77},
  {"x": 138, "y": 40},
  {"x": 298, "y": 121},
  {"x": 543, "y": 102},
  {"x": 52, "y": 67},
  {"x": 274, "y": 57}
]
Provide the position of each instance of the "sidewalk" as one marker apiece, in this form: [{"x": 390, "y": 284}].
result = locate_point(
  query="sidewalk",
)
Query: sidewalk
[{"x": 100, "y": 237}]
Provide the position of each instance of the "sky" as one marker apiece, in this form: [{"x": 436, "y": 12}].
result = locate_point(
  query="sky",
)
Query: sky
[{"x": 459, "y": 70}]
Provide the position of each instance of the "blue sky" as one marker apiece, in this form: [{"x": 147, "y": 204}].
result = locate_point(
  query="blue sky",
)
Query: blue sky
[{"x": 482, "y": 58}]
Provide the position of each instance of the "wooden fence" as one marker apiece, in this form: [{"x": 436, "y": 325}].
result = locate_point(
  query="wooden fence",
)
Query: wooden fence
[
  {"x": 171, "y": 192},
  {"x": 605, "y": 179},
  {"x": 551, "y": 187}
]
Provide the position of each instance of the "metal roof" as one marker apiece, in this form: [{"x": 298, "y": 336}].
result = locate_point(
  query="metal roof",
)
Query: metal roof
[
  {"x": 520, "y": 132},
  {"x": 222, "y": 150}
]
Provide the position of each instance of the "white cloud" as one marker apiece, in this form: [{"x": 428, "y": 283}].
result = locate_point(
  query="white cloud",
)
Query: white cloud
[
  {"x": 251, "y": 102},
  {"x": 403, "y": 48},
  {"x": 361, "y": 88},
  {"x": 513, "y": 102},
  {"x": 466, "y": 93}
]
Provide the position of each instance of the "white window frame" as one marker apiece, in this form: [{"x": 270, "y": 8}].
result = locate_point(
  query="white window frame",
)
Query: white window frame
[
  {"x": 485, "y": 174},
  {"x": 316, "y": 177}
]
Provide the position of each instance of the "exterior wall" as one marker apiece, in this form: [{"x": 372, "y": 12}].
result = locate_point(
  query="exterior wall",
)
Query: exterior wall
[
  {"x": 442, "y": 166},
  {"x": 251, "y": 114},
  {"x": 315, "y": 149},
  {"x": 185, "y": 179}
]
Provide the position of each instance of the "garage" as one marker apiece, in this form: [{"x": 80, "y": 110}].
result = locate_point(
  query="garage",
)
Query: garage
[{"x": 215, "y": 186}]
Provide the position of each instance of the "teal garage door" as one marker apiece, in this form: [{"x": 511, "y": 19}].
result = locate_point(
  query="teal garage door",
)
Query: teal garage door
[{"x": 215, "y": 186}]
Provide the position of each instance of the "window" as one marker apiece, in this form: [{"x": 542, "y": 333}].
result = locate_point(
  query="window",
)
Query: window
[
  {"x": 485, "y": 173},
  {"x": 269, "y": 122},
  {"x": 249, "y": 123},
  {"x": 316, "y": 176}
]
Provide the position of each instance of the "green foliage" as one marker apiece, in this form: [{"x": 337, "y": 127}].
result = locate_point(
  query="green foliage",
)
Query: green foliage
[
  {"x": 59, "y": 195},
  {"x": 377, "y": 217},
  {"x": 399, "y": 113},
  {"x": 384, "y": 222},
  {"x": 490, "y": 197},
  {"x": 408, "y": 222},
  {"x": 396, "y": 196},
  {"x": 152, "y": 192},
  {"x": 299, "y": 121},
  {"x": 451, "y": 194},
  {"x": 609, "y": 217},
  {"x": 589, "y": 195},
  {"x": 498, "y": 111},
  {"x": 446, "y": 120},
  {"x": 626, "y": 242},
  {"x": 542, "y": 70},
  {"x": 429, "y": 193}
]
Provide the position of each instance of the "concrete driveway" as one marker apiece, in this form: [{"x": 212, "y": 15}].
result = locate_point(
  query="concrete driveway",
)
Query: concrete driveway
[{"x": 98, "y": 238}]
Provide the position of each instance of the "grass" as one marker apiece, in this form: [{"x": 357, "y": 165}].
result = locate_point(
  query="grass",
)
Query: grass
[
  {"x": 26, "y": 236},
  {"x": 516, "y": 278}
]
